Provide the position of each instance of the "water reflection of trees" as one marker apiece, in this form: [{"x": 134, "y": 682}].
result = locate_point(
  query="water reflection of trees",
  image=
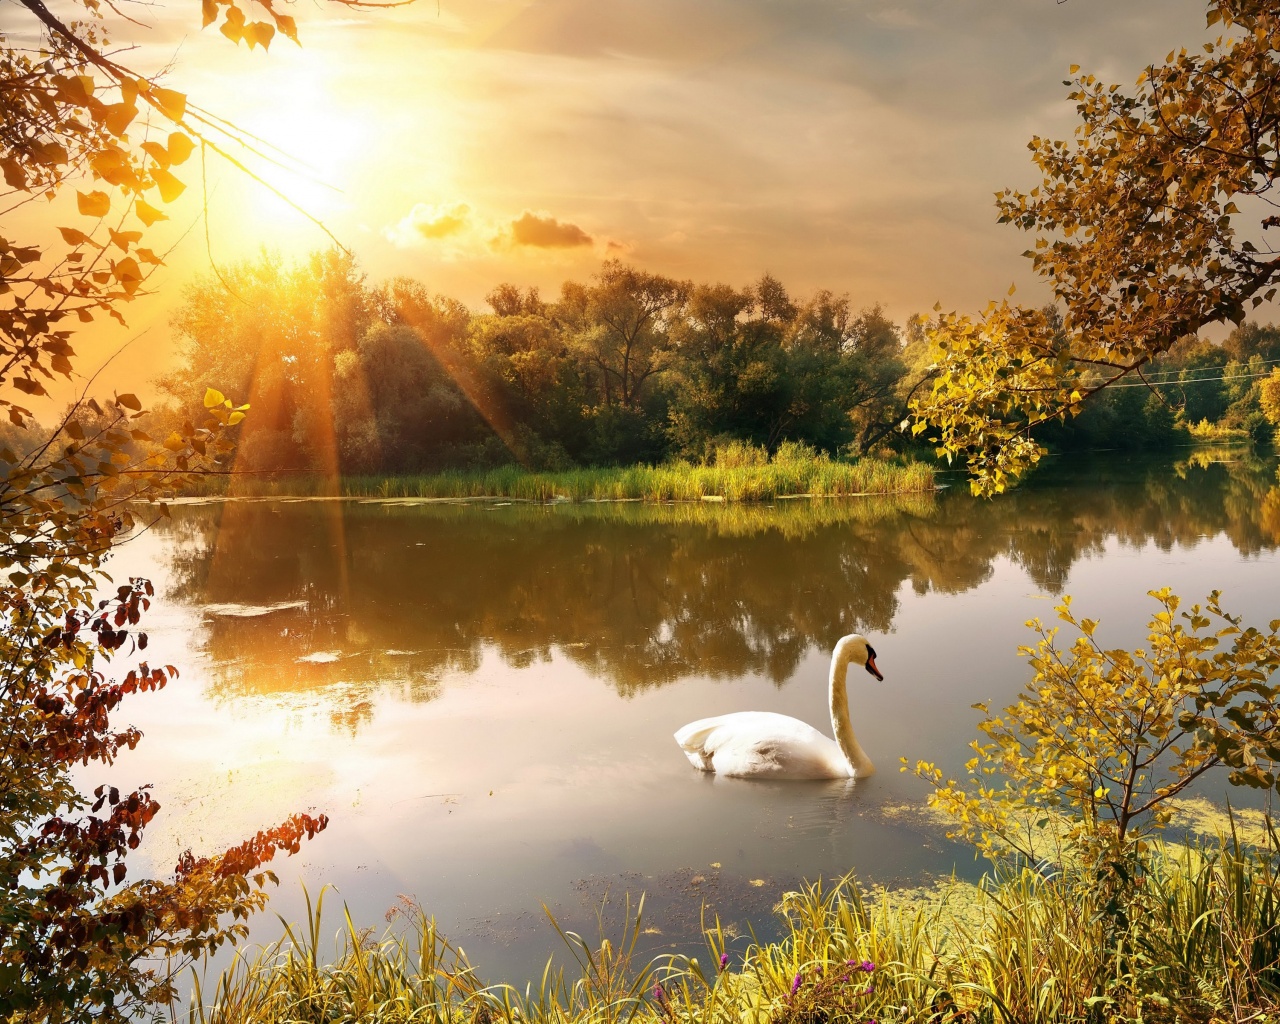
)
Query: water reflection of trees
[{"x": 399, "y": 595}]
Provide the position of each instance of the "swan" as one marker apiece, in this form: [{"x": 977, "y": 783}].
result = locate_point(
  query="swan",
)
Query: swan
[{"x": 764, "y": 745}]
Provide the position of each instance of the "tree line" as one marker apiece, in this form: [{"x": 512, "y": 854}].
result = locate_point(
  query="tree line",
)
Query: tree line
[
  {"x": 1198, "y": 389},
  {"x": 345, "y": 376}
]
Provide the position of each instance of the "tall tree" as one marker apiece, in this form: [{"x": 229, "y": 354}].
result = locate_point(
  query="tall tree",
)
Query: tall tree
[
  {"x": 622, "y": 324},
  {"x": 730, "y": 372},
  {"x": 272, "y": 331}
]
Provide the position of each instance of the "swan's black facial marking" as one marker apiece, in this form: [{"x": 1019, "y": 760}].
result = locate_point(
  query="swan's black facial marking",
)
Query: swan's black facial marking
[{"x": 871, "y": 663}]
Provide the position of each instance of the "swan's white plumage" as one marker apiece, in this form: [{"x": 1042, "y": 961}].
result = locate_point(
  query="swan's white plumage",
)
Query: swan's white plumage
[{"x": 761, "y": 744}]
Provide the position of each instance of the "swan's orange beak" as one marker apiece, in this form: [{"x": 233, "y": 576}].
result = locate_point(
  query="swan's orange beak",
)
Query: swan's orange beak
[{"x": 871, "y": 667}]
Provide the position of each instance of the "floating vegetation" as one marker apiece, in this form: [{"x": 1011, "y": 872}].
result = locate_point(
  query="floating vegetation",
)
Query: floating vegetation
[{"x": 251, "y": 611}]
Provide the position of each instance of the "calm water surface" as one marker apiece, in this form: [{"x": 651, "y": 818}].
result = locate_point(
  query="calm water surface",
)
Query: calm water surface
[{"x": 482, "y": 697}]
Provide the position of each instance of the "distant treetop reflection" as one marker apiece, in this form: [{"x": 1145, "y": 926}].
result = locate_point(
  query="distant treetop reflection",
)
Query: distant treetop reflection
[{"x": 340, "y": 599}]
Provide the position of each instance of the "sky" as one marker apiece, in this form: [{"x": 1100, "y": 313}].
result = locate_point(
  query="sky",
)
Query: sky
[{"x": 854, "y": 145}]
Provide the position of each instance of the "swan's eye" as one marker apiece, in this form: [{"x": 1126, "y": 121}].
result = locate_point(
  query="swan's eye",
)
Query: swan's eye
[{"x": 871, "y": 651}]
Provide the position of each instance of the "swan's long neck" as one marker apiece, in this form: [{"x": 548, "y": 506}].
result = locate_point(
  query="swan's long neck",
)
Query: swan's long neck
[{"x": 840, "y": 723}]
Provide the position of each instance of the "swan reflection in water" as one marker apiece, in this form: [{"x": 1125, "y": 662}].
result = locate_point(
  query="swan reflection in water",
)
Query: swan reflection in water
[{"x": 765, "y": 745}]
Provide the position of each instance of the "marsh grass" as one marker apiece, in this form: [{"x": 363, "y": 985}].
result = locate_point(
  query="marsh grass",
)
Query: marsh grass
[
  {"x": 804, "y": 472},
  {"x": 1196, "y": 939}
]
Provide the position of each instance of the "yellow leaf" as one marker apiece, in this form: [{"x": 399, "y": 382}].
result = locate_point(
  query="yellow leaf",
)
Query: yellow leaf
[
  {"x": 147, "y": 213},
  {"x": 233, "y": 25},
  {"x": 259, "y": 33},
  {"x": 180, "y": 147},
  {"x": 157, "y": 152},
  {"x": 286, "y": 25},
  {"x": 213, "y": 398},
  {"x": 93, "y": 204},
  {"x": 170, "y": 187},
  {"x": 119, "y": 117},
  {"x": 128, "y": 273},
  {"x": 172, "y": 104},
  {"x": 124, "y": 239}
]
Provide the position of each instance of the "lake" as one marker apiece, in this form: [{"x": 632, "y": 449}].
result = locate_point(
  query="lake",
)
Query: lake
[{"x": 481, "y": 696}]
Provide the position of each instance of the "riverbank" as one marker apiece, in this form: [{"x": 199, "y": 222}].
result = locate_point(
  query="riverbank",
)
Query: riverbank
[
  {"x": 808, "y": 476},
  {"x": 1197, "y": 941}
]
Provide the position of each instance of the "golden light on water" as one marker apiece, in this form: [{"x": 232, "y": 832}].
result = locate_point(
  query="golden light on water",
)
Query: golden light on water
[{"x": 482, "y": 698}]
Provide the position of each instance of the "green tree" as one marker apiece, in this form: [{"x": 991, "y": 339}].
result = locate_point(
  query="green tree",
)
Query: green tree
[
  {"x": 535, "y": 376},
  {"x": 846, "y": 371},
  {"x": 1251, "y": 339},
  {"x": 272, "y": 331},
  {"x": 622, "y": 324},
  {"x": 1204, "y": 394},
  {"x": 730, "y": 372}
]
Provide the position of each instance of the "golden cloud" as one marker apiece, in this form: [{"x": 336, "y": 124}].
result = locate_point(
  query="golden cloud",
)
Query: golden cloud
[
  {"x": 545, "y": 232},
  {"x": 427, "y": 222}
]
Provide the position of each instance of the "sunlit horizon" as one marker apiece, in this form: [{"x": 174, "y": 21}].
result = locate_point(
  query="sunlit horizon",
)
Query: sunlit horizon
[{"x": 849, "y": 147}]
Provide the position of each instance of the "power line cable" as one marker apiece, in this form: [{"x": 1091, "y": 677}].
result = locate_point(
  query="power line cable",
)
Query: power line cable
[
  {"x": 1242, "y": 365},
  {"x": 1194, "y": 380}
]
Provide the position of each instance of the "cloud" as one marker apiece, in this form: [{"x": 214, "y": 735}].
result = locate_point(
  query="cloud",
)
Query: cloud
[
  {"x": 426, "y": 222},
  {"x": 547, "y": 232}
]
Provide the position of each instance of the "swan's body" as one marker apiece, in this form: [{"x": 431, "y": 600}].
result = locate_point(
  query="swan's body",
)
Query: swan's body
[{"x": 761, "y": 744}]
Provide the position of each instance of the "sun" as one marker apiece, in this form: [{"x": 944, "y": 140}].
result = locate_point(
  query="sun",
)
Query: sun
[{"x": 305, "y": 147}]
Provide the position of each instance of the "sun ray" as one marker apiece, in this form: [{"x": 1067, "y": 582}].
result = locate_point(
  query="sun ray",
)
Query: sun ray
[{"x": 490, "y": 407}]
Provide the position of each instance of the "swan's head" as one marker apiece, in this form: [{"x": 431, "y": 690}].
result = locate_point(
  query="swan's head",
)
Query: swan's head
[{"x": 856, "y": 649}]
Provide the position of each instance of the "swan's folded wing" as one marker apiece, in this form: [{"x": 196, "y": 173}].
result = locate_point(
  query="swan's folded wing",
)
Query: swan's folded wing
[
  {"x": 693, "y": 741},
  {"x": 761, "y": 744}
]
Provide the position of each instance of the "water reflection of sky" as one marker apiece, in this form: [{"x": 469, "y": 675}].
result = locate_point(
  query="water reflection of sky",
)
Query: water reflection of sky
[{"x": 482, "y": 698}]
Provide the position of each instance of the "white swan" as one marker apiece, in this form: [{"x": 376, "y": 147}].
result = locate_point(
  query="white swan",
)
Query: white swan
[{"x": 764, "y": 745}]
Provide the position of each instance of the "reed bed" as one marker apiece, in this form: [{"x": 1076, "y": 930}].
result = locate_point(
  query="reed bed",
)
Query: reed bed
[
  {"x": 1197, "y": 939},
  {"x": 814, "y": 475}
]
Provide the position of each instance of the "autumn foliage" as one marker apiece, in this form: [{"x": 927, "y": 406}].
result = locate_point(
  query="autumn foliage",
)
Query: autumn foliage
[
  {"x": 1102, "y": 739},
  {"x": 81, "y": 937},
  {"x": 1151, "y": 224}
]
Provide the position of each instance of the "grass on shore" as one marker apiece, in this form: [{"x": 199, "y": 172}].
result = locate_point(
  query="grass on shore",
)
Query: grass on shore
[
  {"x": 738, "y": 473},
  {"x": 1197, "y": 940}
]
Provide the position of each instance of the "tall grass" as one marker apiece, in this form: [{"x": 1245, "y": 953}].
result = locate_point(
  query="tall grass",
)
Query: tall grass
[
  {"x": 793, "y": 472},
  {"x": 1197, "y": 940}
]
